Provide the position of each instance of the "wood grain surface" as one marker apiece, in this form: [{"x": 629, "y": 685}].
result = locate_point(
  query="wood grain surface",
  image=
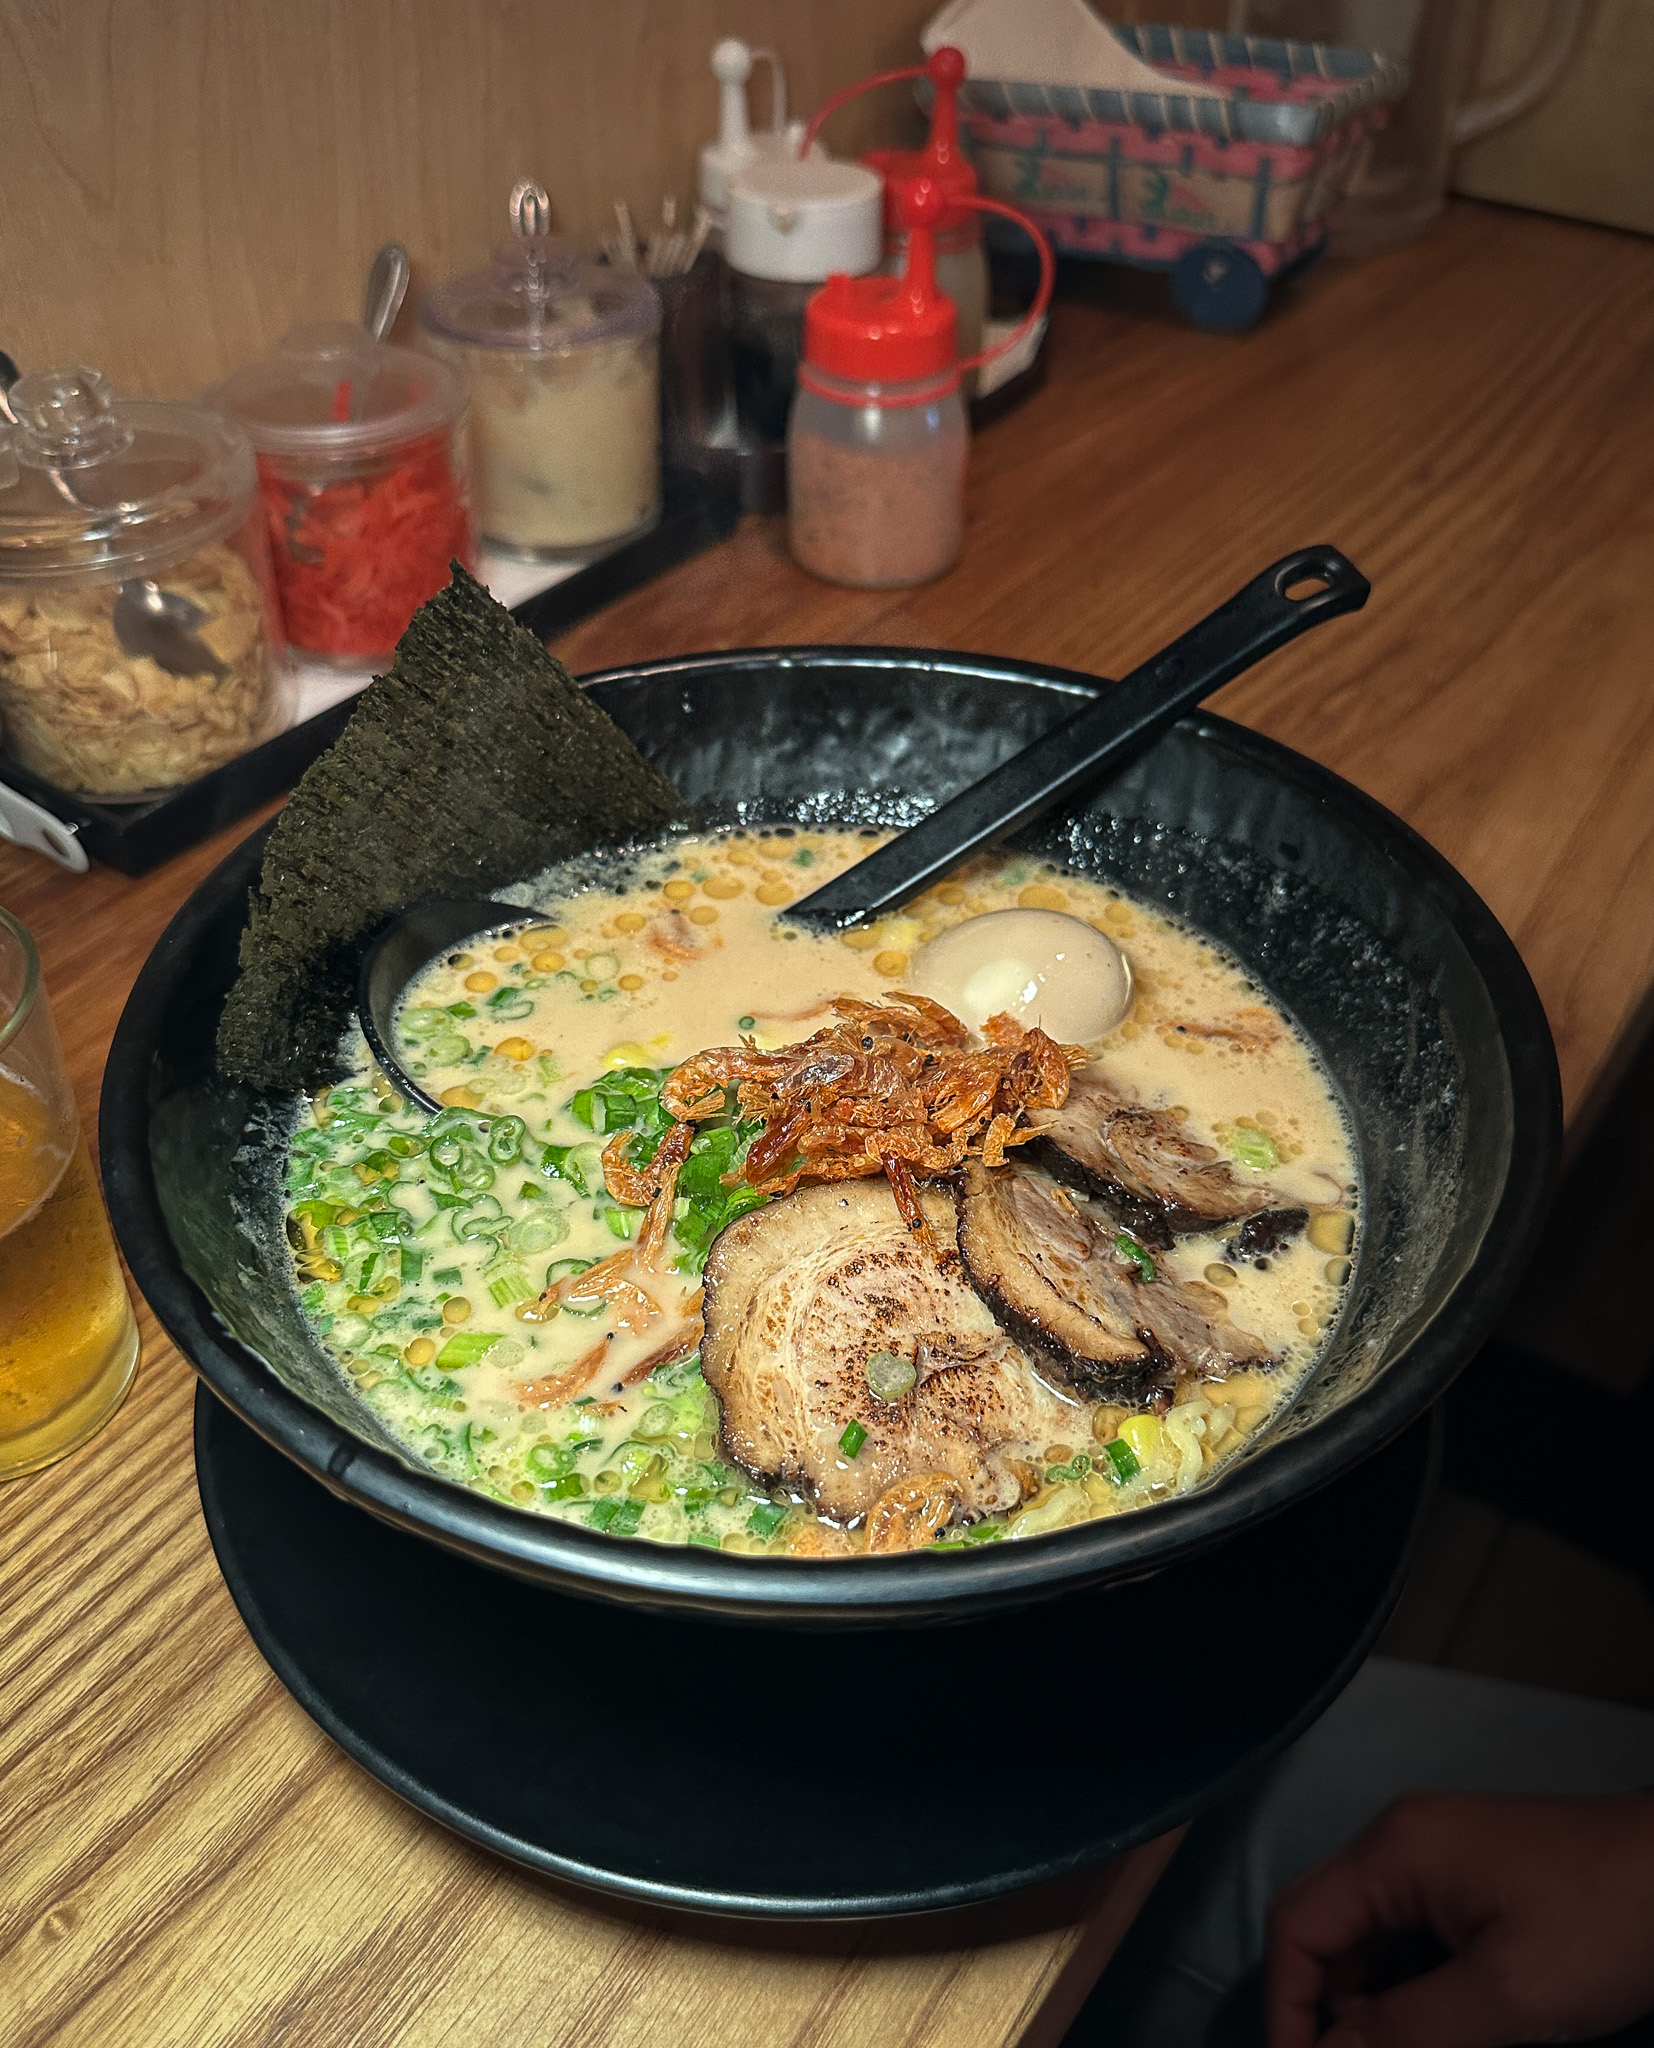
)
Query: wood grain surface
[
  {"x": 183, "y": 1857},
  {"x": 186, "y": 180}
]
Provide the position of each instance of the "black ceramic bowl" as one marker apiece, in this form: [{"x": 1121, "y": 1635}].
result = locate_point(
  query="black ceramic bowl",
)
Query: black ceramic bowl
[{"x": 1418, "y": 1003}]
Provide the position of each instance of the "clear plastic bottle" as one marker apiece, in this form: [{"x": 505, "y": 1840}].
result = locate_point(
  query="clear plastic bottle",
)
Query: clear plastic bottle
[
  {"x": 792, "y": 224},
  {"x": 877, "y": 443}
]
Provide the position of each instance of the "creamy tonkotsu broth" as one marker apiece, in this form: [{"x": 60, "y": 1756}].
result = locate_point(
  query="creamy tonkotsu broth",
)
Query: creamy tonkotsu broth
[{"x": 424, "y": 1248}]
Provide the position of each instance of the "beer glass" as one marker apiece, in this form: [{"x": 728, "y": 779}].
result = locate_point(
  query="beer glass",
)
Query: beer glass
[{"x": 68, "y": 1341}]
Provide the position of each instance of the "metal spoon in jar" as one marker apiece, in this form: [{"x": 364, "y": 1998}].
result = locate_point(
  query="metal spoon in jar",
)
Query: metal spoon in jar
[
  {"x": 387, "y": 288},
  {"x": 164, "y": 625},
  {"x": 147, "y": 619}
]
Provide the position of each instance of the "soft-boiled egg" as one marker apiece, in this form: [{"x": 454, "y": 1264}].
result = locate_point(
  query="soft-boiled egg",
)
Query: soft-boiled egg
[{"x": 1041, "y": 966}]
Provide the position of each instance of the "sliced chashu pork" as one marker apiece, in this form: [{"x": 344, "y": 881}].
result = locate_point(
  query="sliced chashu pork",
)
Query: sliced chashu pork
[
  {"x": 1156, "y": 1176},
  {"x": 801, "y": 1293},
  {"x": 1050, "y": 1270}
]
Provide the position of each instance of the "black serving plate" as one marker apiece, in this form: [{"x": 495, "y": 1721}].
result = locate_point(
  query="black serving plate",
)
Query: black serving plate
[
  {"x": 1398, "y": 973},
  {"x": 894, "y": 1773}
]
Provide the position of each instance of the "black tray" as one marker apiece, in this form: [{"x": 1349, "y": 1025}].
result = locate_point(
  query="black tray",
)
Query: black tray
[
  {"x": 697, "y": 511},
  {"x": 795, "y": 1776}
]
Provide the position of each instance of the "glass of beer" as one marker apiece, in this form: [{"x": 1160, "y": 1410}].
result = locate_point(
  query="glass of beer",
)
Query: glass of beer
[{"x": 68, "y": 1341}]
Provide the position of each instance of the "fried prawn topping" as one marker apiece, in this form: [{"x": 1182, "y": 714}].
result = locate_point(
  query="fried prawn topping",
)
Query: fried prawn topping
[{"x": 890, "y": 1087}]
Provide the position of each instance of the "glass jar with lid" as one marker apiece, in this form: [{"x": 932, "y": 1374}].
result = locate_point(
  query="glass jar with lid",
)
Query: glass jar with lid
[
  {"x": 363, "y": 474},
  {"x": 562, "y": 362},
  {"x": 139, "y": 642}
]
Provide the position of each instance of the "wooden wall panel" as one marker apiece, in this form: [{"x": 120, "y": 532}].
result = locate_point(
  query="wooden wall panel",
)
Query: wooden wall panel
[
  {"x": 1588, "y": 148},
  {"x": 185, "y": 179}
]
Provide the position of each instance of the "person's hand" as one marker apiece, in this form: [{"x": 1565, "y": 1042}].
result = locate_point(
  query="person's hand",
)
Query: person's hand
[{"x": 1544, "y": 1906}]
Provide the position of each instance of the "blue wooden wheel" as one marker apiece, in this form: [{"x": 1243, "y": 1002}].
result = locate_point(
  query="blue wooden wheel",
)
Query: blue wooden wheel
[{"x": 1218, "y": 286}]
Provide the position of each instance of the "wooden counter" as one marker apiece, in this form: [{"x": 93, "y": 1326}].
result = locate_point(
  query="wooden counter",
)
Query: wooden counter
[{"x": 184, "y": 1858}]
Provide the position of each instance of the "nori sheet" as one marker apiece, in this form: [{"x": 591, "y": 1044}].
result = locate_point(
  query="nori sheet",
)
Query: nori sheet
[{"x": 474, "y": 763}]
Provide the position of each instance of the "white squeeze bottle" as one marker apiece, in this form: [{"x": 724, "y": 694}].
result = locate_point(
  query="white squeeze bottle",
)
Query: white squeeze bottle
[{"x": 737, "y": 145}]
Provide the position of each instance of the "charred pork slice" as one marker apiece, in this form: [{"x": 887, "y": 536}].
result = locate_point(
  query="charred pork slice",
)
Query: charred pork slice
[
  {"x": 799, "y": 1296},
  {"x": 1050, "y": 1270},
  {"x": 1152, "y": 1171}
]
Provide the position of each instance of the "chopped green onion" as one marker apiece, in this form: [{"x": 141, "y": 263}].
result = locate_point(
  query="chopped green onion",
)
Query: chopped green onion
[
  {"x": 1123, "y": 1459},
  {"x": 1134, "y": 1254},
  {"x": 766, "y": 1519},
  {"x": 509, "y": 1286},
  {"x": 745, "y": 1023},
  {"x": 621, "y": 1221},
  {"x": 618, "y": 1517},
  {"x": 412, "y": 1264},
  {"x": 1255, "y": 1149},
  {"x": 570, "y": 1487},
  {"x": 446, "y": 1276},
  {"x": 505, "y": 1140},
  {"x": 852, "y": 1440},
  {"x": 482, "y": 1218},
  {"x": 538, "y": 1233},
  {"x": 890, "y": 1376},
  {"x": 465, "y": 1347}
]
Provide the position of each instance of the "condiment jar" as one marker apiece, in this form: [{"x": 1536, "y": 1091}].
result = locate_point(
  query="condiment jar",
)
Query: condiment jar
[
  {"x": 362, "y": 471},
  {"x": 737, "y": 143},
  {"x": 877, "y": 443},
  {"x": 961, "y": 265},
  {"x": 113, "y": 512},
  {"x": 793, "y": 222},
  {"x": 562, "y": 361}
]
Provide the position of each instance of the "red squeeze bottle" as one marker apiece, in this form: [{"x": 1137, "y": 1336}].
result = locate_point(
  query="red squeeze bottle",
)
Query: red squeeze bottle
[
  {"x": 961, "y": 265},
  {"x": 877, "y": 443}
]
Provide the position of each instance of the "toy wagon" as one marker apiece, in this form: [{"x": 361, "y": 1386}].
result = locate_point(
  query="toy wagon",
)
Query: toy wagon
[{"x": 1219, "y": 158}]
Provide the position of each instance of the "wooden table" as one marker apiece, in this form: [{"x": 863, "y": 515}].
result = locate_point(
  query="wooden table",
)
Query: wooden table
[{"x": 184, "y": 1858}]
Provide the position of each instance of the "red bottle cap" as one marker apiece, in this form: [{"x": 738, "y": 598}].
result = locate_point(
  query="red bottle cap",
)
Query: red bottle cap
[
  {"x": 941, "y": 160},
  {"x": 887, "y": 330}
]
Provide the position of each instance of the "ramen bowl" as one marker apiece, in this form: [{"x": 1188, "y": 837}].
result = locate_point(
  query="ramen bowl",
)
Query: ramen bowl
[{"x": 1417, "y": 1003}]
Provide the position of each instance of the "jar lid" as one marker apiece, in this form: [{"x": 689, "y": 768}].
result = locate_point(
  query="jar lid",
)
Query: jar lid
[
  {"x": 332, "y": 390},
  {"x": 801, "y": 221},
  {"x": 540, "y": 299},
  {"x": 941, "y": 160},
  {"x": 888, "y": 330},
  {"x": 92, "y": 485}
]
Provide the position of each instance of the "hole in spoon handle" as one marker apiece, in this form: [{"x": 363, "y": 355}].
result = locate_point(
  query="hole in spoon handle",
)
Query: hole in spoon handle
[{"x": 1320, "y": 580}]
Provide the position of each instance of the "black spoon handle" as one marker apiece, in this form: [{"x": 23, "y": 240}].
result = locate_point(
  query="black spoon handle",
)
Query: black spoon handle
[{"x": 1254, "y": 622}]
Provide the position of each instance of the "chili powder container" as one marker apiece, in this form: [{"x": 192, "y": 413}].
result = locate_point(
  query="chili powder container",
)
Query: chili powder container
[
  {"x": 362, "y": 470},
  {"x": 877, "y": 442}
]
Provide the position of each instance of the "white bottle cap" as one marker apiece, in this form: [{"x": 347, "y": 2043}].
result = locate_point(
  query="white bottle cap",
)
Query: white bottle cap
[
  {"x": 737, "y": 145},
  {"x": 802, "y": 221}
]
